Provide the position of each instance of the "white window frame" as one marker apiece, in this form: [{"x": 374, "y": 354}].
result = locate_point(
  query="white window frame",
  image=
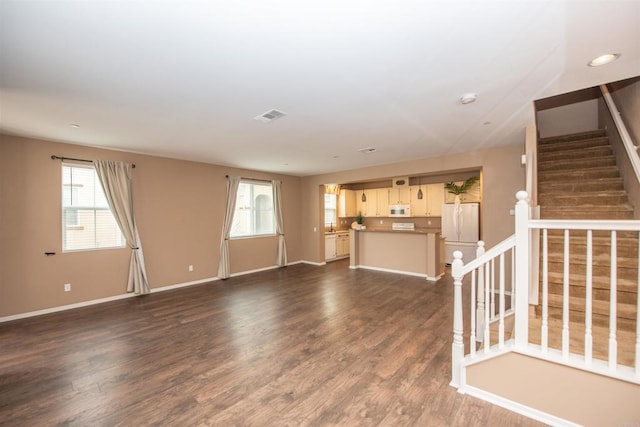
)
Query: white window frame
[
  {"x": 327, "y": 221},
  {"x": 77, "y": 226},
  {"x": 252, "y": 216}
]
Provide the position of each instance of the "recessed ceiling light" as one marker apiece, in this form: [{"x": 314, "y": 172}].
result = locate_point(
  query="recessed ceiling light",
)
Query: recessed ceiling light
[
  {"x": 75, "y": 126},
  {"x": 468, "y": 98},
  {"x": 486, "y": 123},
  {"x": 603, "y": 59},
  {"x": 335, "y": 157}
]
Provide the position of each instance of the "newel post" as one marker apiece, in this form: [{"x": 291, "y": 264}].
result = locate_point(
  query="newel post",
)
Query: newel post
[
  {"x": 457, "y": 348},
  {"x": 480, "y": 307},
  {"x": 522, "y": 271}
]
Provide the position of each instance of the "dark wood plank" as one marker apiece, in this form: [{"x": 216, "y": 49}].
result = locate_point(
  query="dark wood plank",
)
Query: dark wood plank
[{"x": 303, "y": 345}]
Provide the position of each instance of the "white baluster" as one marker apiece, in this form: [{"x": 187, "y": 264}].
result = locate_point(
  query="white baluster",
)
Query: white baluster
[
  {"x": 544, "y": 333},
  {"x": 493, "y": 289},
  {"x": 457, "y": 347},
  {"x": 588, "y": 338},
  {"x": 501, "y": 298},
  {"x": 480, "y": 310},
  {"x": 613, "y": 304},
  {"x": 638, "y": 315},
  {"x": 472, "y": 337},
  {"x": 513, "y": 280},
  {"x": 487, "y": 325},
  {"x": 565, "y": 298},
  {"x": 522, "y": 271}
]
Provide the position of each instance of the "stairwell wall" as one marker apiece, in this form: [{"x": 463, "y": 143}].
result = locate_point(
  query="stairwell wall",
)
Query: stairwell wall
[
  {"x": 626, "y": 95},
  {"x": 561, "y": 391}
]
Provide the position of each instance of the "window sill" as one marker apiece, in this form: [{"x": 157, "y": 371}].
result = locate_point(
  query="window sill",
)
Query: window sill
[{"x": 74, "y": 227}]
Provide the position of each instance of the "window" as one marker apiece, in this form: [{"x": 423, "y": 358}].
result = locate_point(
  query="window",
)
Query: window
[
  {"x": 254, "y": 210},
  {"x": 330, "y": 209},
  {"x": 87, "y": 222}
]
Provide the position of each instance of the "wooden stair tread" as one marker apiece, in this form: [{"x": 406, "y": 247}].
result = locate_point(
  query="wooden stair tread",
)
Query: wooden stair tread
[
  {"x": 596, "y": 133},
  {"x": 598, "y": 282}
]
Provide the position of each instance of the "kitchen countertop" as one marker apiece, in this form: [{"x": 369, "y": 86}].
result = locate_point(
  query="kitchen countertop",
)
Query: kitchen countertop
[
  {"x": 432, "y": 230},
  {"x": 329, "y": 233}
]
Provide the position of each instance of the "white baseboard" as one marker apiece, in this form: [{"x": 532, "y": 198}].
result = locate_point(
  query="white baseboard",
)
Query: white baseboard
[
  {"x": 388, "y": 270},
  {"x": 100, "y": 300},
  {"x": 182, "y": 285},
  {"x": 518, "y": 408},
  {"x": 312, "y": 263},
  {"x": 131, "y": 294}
]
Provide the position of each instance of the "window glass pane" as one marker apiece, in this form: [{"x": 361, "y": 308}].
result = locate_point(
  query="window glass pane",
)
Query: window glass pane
[
  {"x": 87, "y": 222},
  {"x": 330, "y": 210},
  {"x": 253, "y": 215}
]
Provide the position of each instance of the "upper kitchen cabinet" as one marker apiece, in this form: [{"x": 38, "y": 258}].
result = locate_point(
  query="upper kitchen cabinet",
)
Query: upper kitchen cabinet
[
  {"x": 435, "y": 199},
  {"x": 418, "y": 206},
  {"x": 399, "y": 195},
  {"x": 372, "y": 202},
  {"x": 383, "y": 202},
  {"x": 431, "y": 202},
  {"x": 347, "y": 206}
]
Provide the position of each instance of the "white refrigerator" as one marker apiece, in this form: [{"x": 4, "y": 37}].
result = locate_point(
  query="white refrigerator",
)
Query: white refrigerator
[{"x": 461, "y": 230}]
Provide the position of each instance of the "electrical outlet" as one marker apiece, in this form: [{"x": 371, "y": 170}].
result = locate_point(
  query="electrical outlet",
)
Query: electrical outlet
[
  {"x": 428, "y": 222},
  {"x": 67, "y": 287},
  {"x": 315, "y": 229},
  {"x": 190, "y": 267},
  {"x": 381, "y": 222}
]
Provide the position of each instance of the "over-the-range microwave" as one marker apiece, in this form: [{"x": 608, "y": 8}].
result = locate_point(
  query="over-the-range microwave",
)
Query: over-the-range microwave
[{"x": 396, "y": 211}]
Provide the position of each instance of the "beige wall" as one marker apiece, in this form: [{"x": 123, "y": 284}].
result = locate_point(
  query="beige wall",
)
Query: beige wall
[
  {"x": 566, "y": 119},
  {"x": 583, "y": 398},
  {"x": 502, "y": 177},
  {"x": 626, "y": 95},
  {"x": 179, "y": 207}
]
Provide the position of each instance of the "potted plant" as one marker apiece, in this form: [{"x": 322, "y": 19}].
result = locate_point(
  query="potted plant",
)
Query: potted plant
[
  {"x": 463, "y": 188},
  {"x": 359, "y": 220}
]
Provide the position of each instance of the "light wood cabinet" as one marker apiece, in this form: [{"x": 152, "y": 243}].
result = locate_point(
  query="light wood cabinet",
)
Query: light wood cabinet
[
  {"x": 342, "y": 245},
  {"x": 399, "y": 195},
  {"x": 347, "y": 204},
  {"x": 418, "y": 206},
  {"x": 330, "y": 247},
  {"x": 336, "y": 246},
  {"x": 370, "y": 207},
  {"x": 382, "y": 205},
  {"x": 435, "y": 199}
]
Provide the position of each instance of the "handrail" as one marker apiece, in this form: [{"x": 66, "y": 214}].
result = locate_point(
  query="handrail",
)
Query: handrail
[
  {"x": 501, "y": 247},
  {"x": 606, "y": 225},
  {"x": 629, "y": 146}
]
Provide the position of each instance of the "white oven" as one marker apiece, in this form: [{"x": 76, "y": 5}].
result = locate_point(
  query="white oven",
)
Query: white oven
[{"x": 396, "y": 211}]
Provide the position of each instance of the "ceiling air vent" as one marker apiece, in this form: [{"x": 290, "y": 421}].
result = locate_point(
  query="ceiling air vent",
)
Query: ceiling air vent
[
  {"x": 270, "y": 116},
  {"x": 367, "y": 150}
]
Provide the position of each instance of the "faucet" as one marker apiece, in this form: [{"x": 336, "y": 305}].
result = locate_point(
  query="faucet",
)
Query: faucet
[{"x": 331, "y": 229}]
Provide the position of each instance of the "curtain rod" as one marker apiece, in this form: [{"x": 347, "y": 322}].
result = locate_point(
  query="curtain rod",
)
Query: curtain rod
[
  {"x": 77, "y": 160},
  {"x": 252, "y": 179}
]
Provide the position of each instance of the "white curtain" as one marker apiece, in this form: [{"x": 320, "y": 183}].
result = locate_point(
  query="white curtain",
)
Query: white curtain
[
  {"x": 281, "y": 259},
  {"x": 115, "y": 178},
  {"x": 224, "y": 267}
]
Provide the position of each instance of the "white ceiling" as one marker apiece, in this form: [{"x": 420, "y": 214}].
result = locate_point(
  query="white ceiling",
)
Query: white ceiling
[{"x": 185, "y": 79}]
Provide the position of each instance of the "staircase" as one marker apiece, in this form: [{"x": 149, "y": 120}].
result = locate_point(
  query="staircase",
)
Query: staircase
[{"x": 578, "y": 179}]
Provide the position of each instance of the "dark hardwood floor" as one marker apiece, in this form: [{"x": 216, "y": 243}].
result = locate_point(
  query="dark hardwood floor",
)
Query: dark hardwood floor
[{"x": 303, "y": 345}]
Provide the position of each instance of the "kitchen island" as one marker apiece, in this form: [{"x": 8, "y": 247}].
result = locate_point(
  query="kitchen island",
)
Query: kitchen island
[{"x": 418, "y": 252}]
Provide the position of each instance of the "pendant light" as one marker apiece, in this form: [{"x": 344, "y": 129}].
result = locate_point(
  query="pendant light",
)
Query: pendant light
[
  {"x": 364, "y": 196},
  {"x": 419, "y": 188}
]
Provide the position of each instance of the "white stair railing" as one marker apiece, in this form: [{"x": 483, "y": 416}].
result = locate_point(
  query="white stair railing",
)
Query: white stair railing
[
  {"x": 569, "y": 230},
  {"x": 489, "y": 283}
]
